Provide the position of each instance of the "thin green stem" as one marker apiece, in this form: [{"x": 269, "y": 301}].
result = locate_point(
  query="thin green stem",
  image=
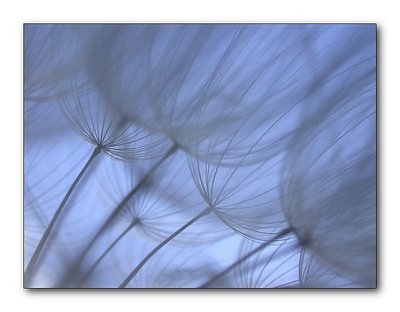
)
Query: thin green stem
[
  {"x": 39, "y": 249},
  {"x": 244, "y": 258},
  {"x": 161, "y": 245}
]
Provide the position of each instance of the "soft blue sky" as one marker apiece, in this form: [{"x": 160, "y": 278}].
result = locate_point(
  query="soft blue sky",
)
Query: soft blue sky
[{"x": 281, "y": 93}]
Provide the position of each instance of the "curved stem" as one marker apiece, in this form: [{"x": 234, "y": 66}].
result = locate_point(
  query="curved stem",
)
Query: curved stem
[
  {"x": 161, "y": 245},
  {"x": 39, "y": 249},
  {"x": 95, "y": 264},
  {"x": 70, "y": 274},
  {"x": 244, "y": 258}
]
